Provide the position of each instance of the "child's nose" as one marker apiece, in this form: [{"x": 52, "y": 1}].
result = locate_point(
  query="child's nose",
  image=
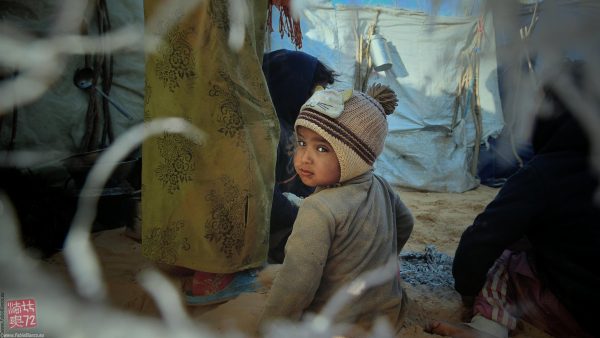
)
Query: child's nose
[{"x": 306, "y": 156}]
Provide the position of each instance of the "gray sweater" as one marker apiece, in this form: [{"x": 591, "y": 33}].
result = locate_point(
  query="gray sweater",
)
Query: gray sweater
[{"x": 339, "y": 234}]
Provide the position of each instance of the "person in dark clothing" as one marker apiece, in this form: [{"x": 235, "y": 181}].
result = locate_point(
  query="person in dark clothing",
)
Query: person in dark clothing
[
  {"x": 291, "y": 77},
  {"x": 533, "y": 253}
]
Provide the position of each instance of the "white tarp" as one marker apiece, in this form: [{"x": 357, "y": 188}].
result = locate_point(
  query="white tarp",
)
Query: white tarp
[{"x": 420, "y": 151}]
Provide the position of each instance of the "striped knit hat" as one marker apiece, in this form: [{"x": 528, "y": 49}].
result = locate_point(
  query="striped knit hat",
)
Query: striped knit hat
[{"x": 354, "y": 123}]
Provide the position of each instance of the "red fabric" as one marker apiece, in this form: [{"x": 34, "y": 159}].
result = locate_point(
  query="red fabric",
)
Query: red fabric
[
  {"x": 206, "y": 283},
  {"x": 286, "y": 24},
  {"x": 513, "y": 291},
  {"x": 493, "y": 301}
]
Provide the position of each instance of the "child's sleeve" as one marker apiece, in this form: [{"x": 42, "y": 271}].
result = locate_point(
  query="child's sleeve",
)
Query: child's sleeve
[
  {"x": 306, "y": 254},
  {"x": 404, "y": 222}
]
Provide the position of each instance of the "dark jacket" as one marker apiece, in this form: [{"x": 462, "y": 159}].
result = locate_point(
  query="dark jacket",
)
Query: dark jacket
[
  {"x": 290, "y": 78},
  {"x": 549, "y": 202}
]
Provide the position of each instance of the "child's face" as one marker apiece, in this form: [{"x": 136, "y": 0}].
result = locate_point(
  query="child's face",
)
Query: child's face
[{"x": 314, "y": 160}]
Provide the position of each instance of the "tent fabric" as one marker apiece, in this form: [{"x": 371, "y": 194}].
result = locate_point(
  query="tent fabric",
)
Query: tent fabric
[
  {"x": 55, "y": 123},
  {"x": 424, "y": 149},
  {"x": 206, "y": 205}
]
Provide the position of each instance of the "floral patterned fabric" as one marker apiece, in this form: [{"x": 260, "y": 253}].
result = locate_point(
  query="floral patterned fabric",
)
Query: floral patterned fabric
[{"x": 206, "y": 206}]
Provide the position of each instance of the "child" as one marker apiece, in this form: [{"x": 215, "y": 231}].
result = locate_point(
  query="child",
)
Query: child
[{"x": 353, "y": 222}]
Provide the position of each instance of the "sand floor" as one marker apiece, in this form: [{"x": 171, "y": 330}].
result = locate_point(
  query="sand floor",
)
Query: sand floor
[{"x": 440, "y": 220}]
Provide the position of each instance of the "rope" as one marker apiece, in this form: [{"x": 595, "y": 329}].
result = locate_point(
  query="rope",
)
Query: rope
[
  {"x": 102, "y": 65},
  {"x": 358, "y": 39},
  {"x": 14, "y": 115},
  {"x": 107, "y": 73},
  {"x": 467, "y": 91},
  {"x": 524, "y": 32},
  {"x": 13, "y": 134},
  {"x": 363, "y": 81},
  {"x": 476, "y": 103}
]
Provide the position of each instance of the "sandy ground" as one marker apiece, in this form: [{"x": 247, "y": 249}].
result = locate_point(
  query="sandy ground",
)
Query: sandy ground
[{"x": 440, "y": 220}]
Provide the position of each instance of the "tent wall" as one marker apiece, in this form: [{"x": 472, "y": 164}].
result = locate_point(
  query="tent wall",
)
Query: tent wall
[
  {"x": 425, "y": 149},
  {"x": 55, "y": 123}
]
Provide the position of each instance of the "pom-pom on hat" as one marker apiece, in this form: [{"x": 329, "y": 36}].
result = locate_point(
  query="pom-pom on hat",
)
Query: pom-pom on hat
[{"x": 354, "y": 123}]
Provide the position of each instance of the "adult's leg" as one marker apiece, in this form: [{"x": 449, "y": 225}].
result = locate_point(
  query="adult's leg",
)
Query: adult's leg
[
  {"x": 515, "y": 292},
  {"x": 536, "y": 304},
  {"x": 492, "y": 317},
  {"x": 493, "y": 311},
  {"x": 512, "y": 292},
  {"x": 204, "y": 198}
]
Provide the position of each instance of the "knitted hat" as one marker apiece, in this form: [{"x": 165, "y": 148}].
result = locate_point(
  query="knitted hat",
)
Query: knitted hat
[{"x": 354, "y": 123}]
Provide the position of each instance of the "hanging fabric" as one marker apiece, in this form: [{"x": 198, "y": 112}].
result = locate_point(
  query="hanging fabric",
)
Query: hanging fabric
[{"x": 287, "y": 25}]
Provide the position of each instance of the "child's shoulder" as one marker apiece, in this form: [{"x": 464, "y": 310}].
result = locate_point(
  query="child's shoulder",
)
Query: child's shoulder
[
  {"x": 334, "y": 197},
  {"x": 324, "y": 196},
  {"x": 340, "y": 189},
  {"x": 383, "y": 182}
]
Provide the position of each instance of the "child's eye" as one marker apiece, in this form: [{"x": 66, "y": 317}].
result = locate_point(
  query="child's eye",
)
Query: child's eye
[
  {"x": 301, "y": 143},
  {"x": 322, "y": 149}
]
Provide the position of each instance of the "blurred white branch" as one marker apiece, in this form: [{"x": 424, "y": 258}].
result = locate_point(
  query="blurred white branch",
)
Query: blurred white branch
[
  {"x": 239, "y": 15},
  {"x": 359, "y": 286},
  {"x": 79, "y": 253},
  {"x": 323, "y": 324},
  {"x": 26, "y": 159},
  {"x": 166, "y": 297},
  {"x": 40, "y": 62}
]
